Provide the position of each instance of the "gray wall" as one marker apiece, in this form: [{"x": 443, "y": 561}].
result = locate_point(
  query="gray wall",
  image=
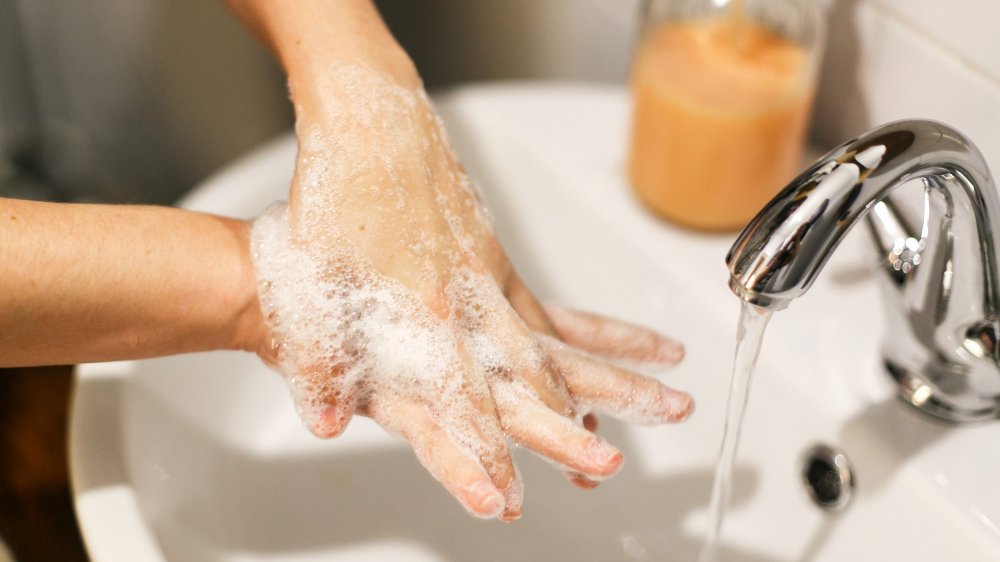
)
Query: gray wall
[
  {"x": 470, "y": 40},
  {"x": 139, "y": 100},
  {"x": 129, "y": 100}
]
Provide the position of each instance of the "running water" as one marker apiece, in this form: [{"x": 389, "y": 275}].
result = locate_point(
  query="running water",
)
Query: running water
[{"x": 749, "y": 333}]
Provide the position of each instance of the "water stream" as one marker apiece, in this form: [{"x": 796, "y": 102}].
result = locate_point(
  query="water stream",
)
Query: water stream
[{"x": 749, "y": 333}]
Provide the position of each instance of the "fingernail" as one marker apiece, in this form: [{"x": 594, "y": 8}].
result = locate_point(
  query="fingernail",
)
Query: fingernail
[
  {"x": 607, "y": 458},
  {"x": 510, "y": 516},
  {"x": 671, "y": 351},
  {"x": 333, "y": 421},
  {"x": 677, "y": 405},
  {"x": 484, "y": 499},
  {"x": 581, "y": 481}
]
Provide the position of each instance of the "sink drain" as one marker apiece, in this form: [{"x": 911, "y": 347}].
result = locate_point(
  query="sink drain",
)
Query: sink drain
[{"x": 828, "y": 477}]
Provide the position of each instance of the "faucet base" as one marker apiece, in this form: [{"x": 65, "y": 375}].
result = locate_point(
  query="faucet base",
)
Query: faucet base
[{"x": 924, "y": 395}]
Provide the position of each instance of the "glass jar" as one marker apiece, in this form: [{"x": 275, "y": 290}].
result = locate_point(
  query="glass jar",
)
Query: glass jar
[{"x": 722, "y": 91}]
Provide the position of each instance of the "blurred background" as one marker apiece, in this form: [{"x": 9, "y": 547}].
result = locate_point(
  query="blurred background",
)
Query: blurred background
[
  {"x": 139, "y": 100},
  {"x": 130, "y": 101}
]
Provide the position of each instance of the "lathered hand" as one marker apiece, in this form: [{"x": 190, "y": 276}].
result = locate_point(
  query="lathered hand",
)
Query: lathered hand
[{"x": 386, "y": 293}]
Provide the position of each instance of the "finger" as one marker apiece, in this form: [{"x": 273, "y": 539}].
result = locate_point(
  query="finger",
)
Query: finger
[
  {"x": 528, "y": 307},
  {"x": 488, "y": 443},
  {"x": 322, "y": 401},
  {"x": 548, "y": 384},
  {"x": 459, "y": 472},
  {"x": 534, "y": 316},
  {"x": 581, "y": 481},
  {"x": 493, "y": 454},
  {"x": 616, "y": 391},
  {"x": 513, "y": 497},
  {"x": 537, "y": 368},
  {"x": 613, "y": 338},
  {"x": 513, "y": 353},
  {"x": 334, "y": 416},
  {"x": 557, "y": 438}
]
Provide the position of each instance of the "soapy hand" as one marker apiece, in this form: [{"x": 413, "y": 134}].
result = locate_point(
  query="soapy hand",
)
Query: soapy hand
[{"x": 386, "y": 293}]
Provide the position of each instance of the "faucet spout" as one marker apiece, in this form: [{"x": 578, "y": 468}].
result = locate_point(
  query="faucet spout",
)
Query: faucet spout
[{"x": 939, "y": 275}]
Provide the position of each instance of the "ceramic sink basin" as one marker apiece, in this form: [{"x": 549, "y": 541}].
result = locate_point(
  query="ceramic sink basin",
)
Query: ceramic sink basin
[{"x": 201, "y": 457}]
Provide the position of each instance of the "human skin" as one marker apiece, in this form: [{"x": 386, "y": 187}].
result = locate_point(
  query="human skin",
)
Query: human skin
[
  {"x": 81, "y": 283},
  {"x": 359, "y": 98}
]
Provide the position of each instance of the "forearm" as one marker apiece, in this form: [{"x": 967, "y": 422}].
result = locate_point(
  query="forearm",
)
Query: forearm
[
  {"x": 355, "y": 93},
  {"x": 81, "y": 283},
  {"x": 309, "y": 37}
]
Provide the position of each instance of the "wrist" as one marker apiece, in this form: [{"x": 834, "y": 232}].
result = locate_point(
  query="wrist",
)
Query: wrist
[
  {"x": 318, "y": 86},
  {"x": 245, "y": 325},
  {"x": 318, "y": 94},
  {"x": 318, "y": 35}
]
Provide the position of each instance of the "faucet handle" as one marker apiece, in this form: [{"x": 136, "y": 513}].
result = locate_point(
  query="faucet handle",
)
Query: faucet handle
[{"x": 898, "y": 243}]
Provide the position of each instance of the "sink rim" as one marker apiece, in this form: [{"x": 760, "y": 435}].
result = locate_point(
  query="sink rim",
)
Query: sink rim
[{"x": 110, "y": 518}]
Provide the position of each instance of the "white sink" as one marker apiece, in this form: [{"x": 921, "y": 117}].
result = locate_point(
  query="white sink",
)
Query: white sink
[{"x": 201, "y": 457}]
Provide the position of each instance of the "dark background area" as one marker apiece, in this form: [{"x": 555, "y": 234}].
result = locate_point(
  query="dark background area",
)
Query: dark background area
[{"x": 36, "y": 508}]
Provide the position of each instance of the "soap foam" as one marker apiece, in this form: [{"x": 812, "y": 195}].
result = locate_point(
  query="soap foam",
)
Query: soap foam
[
  {"x": 645, "y": 401},
  {"x": 372, "y": 281},
  {"x": 628, "y": 344},
  {"x": 346, "y": 333},
  {"x": 338, "y": 324},
  {"x": 375, "y": 145}
]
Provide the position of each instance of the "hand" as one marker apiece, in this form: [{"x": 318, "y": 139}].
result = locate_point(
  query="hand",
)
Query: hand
[{"x": 387, "y": 294}]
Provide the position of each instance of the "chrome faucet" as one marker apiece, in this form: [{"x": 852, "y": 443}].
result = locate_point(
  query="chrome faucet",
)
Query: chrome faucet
[{"x": 939, "y": 273}]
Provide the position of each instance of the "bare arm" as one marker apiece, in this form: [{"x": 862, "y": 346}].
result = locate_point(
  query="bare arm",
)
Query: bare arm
[
  {"x": 388, "y": 294},
  {"x": 81, "y": 283},
  {"x": 315, "y": 34}
]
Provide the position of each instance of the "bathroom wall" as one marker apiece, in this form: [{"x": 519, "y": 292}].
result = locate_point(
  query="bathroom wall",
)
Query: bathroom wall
[
  {"x": 128, "y": 100},
  {"x": 886, "y": 59},
  {"x": 137, "y": 100},
  {"x": 456, "y": 41},
  {"x": 896, "y": 59}
]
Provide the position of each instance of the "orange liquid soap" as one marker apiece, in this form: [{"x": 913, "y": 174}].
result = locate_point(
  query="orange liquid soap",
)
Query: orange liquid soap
[{"x": 719, "y": 119}]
